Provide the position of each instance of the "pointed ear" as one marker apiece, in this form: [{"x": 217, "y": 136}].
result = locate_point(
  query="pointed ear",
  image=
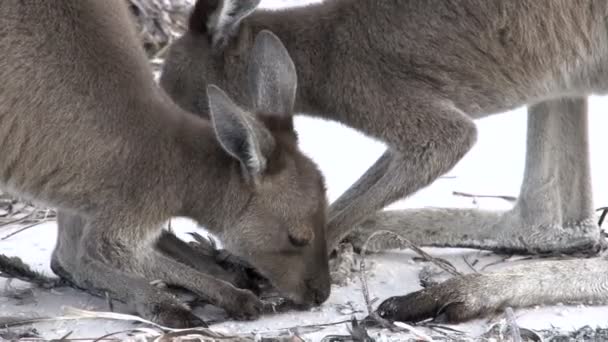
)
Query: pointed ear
[
  {"x": 220, "y": 19},
  {"x": 272, "y": 78},
  {"x": 239, "y": 133}
]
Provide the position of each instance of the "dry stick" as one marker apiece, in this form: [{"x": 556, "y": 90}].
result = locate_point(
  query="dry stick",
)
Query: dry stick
[
  {"x": 10, "y": 322},
  {"x": 64, "y": 337},
  {"x": 25, "y": 228},
  {"x": 513, "y": 327},
  {"x": 526, "y": 258},
  {"x": 12, "y": 212},
  {"x": 169, "y": 227},
  {"x": 109, "y": 301},
  {"x": 439, "y": 262},
  {"x": 466, "y": 261},
  {"x": 107, "y": 336},
  {"x": 162, "y": 51},
  {"x": 205, "y": 332},
  {"x": 321, "y": 325},
  {"x": 602, "y": 216},
  {"x": 172, "y": 336},
  {"x": 494, "y": 263},
  {"x": 21, "y": 219},
  {"x": 365, "y": 289},
  {"x": 503, "y": 197},
  {"x": 439, "y": 327}
]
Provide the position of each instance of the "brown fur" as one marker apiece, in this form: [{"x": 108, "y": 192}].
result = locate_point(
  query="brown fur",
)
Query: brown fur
[
  {"x": 415, "y": 74},
  {"x": 84, "y": 127}
]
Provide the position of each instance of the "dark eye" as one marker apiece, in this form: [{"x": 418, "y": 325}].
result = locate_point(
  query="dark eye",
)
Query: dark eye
[{"x": 298, "y": 242}]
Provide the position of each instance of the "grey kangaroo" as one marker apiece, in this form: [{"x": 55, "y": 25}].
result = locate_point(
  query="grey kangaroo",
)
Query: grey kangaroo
[
  {"x": 85, "y": 128},
  {"x": 416, "y": 74}
]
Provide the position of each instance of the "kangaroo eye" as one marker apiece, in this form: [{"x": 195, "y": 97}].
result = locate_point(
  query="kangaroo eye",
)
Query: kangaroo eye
[{"x": 298, "y": 242}]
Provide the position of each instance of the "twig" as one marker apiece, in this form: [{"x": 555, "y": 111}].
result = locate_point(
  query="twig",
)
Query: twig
[
  {"x": 466, "y": 261},
  {"x": 512, "y": 324},
  {"x": 411, "y": 329},
  {"x": 503, "y": 197},
  {"x": 310, "y": 326},
  {"x": 9, "y": 207},
  {"x": 493, "y": 263},
  {"x": 64, "y": 337},
  {"x": 162, "y": 51},
  {"x": 302, "y": 327},
  {"x": 365, "y": 289},
  {"x": 357, "y": 333},
  {"x": 21, "y": 219},
  {"x": 9, "y": 322},
  {"x": 439, "y": 262},
  {"x": 25, "y": 228},
  {"x": 437, "y": 327},
  {"x": 76, "y": 314},
  {"x": 106, "y": 336},
  {"x": 109, "y": 301},
  {"x": 602, "y": 216}
]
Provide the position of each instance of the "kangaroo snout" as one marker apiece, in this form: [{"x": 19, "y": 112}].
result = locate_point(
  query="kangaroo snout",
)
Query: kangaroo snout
[
  {"x": 308, "y": 292},
  {"x": 315, "y": 285}
]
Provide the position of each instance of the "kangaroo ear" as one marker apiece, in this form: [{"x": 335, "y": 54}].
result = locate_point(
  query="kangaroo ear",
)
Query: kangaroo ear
[
  {"x": 272, "y": 78},
  {"x": 239, "y": 133},
  {"x": 220, "y": 19}
]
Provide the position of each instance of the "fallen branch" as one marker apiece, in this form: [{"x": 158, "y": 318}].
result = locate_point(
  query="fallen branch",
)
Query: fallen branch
[
  {"x": 466, "y": 261},
  {"x": 439, "y": 262},
  {"x": 503, "y": 197},
  {"x": 365, "y": 288},
  {"x": 512, "y": 324},
  {"x": 604, "y": 211},
  {"x": 22, "y": 229},
  {"x": 17, "y": 220}
]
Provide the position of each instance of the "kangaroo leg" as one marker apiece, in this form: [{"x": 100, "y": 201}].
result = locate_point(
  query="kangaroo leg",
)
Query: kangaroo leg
[
  {"x": 75, "y": 259},
  {"x": 426, "y": 141},
  {"x": 474, "y": 295},
  {"x": 240, "y": 304},
  {"x": 554, "y": 212},
  {"x": 93, "y": 259},
  {"x": 207, "y": 262}
]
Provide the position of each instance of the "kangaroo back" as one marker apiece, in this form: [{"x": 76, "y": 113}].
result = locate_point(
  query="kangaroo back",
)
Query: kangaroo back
[{"x": 63, "y": 120}]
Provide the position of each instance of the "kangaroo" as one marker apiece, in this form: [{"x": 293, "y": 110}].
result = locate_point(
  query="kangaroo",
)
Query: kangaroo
[
  {"x": 85, "y": 128},
  {"x": 415, "y": 75}
]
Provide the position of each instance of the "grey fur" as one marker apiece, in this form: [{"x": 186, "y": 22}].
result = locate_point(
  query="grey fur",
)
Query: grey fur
[
  {"x": 415, "y": 74},
  {"x": 84, "y": 127}
]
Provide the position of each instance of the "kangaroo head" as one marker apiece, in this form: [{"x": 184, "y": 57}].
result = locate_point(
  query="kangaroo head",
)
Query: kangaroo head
[
  {"x": 215, "y": 49},
  {"x": 281, "y": 228},
  {"x": 288, "y": 194}
]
